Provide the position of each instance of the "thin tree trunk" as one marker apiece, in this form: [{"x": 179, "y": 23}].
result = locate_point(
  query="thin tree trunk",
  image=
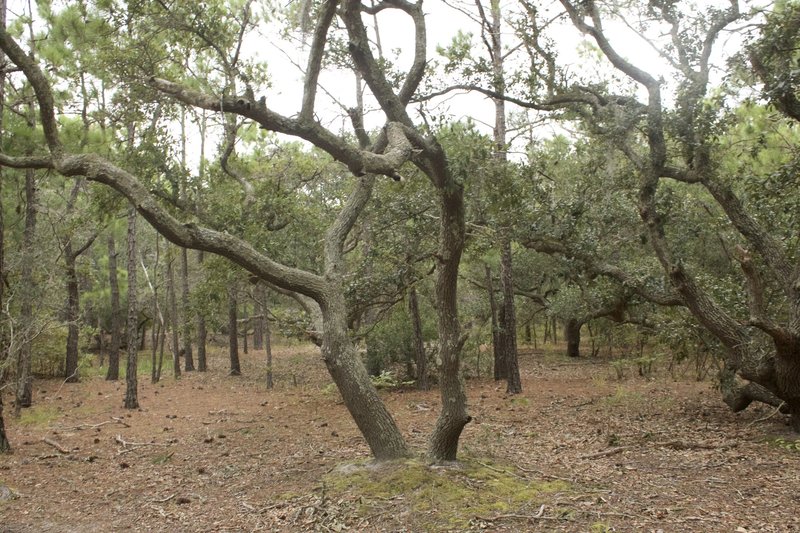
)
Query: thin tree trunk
[
  {"x": 245, "y": 327},
  {"x": 173, "y": 319},
  {"x": 233, "y": 333},
  {"x": 509, "y": 325},
  {"x": 131, "y": 382},
  {"x": 187, "y": 324},
  {"x": 24, "y": 396},
  {"x": 112, "y": 374},
  {"x": 5, "y": 444},
  {"x": 497, "y": 346},
  {"x": 73, "y": 309},
  {"x": 259, "y": 318},
  {"x": 202, "y": 333},
  {"x": 268, "y": 347},
  {"x": 419, "y": 346}
]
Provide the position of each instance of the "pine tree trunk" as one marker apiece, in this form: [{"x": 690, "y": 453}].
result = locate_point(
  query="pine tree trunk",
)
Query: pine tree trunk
[
  {"x": 202, "y": 333},
  {"x": 420, "y": 356},
  {"x": 112, "y": 373},
  {"x": 233, "y": 333},
  {"x": 73, "y": 309},
  {"x": 5, "y": 445},
  {"x": 187, "y": 324},
  {"x": 24, "y": 397},
  {"x": 131, "y": 383}
]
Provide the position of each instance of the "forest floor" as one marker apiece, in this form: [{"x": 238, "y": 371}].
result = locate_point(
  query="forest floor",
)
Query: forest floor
[{"x": 578, "y": 450}]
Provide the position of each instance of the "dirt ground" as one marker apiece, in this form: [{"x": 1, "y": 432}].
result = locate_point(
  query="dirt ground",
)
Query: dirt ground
[{"x": 211, "y": 452}]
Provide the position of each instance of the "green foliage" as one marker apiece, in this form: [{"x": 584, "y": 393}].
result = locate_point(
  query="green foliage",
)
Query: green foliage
[{"x": 389, "y": 342}]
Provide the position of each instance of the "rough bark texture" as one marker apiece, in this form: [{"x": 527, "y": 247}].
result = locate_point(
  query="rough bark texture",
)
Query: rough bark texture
[
  {"x": 73, "y": 309},
  {"x": 131, "y": 371},
  {"x": 24, "y": 397},
  {"x": 420, "y": 356},
  {"x": 5, "y": 444},
  {"x": 112, "y": 374},
  {"x": 358, "y": 393},
  {"x": 233, "y": 332}
]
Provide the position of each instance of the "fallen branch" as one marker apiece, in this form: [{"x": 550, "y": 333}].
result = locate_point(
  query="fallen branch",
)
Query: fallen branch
[
  {"x": 55, "y": 445},
  {"x": 606, "y": 453},
  {"x": 164, "y": 500},
  {"x": 130, "y": 446}
]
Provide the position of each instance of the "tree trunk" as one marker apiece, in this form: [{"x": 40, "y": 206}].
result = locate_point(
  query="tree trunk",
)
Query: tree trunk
[
  {"x": 572, "y": 334},
  {"x": 351, "y": 377},
  {"x": 73, "y": 309},
  {"x": 131, "y": 382},
  {"x": 268, "y": 349},
  {"x": 112, "y": 374},
  {"x": 186, "y": 315},
  {"x": 245, "y": 328},
  {"x": 24, "y": 396},
  {"x": 202, "y": 334},
  {"x": 509, "y": 325},
  {"x": 5, "y": 445},
  {"x": 173, "y": 319},
  {"x": 443, "y": 445},
  {"x": 420, "y": 356},
  {"x": 233, "y": 332},
  {"x": 500, "y": 366}
]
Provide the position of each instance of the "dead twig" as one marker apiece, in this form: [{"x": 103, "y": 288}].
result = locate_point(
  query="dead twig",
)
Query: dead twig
[
  {"x": 765, "y": 418},
  {"x": 164, "y": 500},
  {"x": 130, "y": 446},
  {"x": 523, "y": 517},
  {"x": 55, "y": 445},
  {"x": 606, "y": 453}
]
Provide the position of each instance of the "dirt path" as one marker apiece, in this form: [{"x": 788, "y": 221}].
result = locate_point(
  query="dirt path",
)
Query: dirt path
[{"x": 217, "y": 453}]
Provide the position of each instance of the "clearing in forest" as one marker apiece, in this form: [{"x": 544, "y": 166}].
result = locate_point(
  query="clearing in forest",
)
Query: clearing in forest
[{"x": 578, "y": 450}]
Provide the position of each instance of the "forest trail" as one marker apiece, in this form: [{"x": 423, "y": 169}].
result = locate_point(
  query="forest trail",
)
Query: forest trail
[{"x": 212, "y": 452}]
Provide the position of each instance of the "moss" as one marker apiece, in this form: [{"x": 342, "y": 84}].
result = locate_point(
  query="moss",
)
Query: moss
[
  {"x": 38, "y": 415},
  {"x": 439, "y": 496}
]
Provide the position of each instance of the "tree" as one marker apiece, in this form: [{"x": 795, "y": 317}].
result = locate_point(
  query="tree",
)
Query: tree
[
  {"x": 112, "y": 374},
  {"x": 132, "y": 369},
  {"x": 681, "y": 148},
  {"x": 398, "y": 142}
]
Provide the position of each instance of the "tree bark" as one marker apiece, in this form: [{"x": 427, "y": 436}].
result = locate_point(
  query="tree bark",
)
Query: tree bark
[
  {"x": 112, "y": 374},
  {"x": 173, "y": 319},
  {"x": 24, "y": 396},
  {"x": 509, "y": 325},
  {"x": 131, "y": 377},
  {"x": 233, "y": 332},
  {"x": 500, "y": 367},
  {"x": 5, "y": 444},
  {"x": 572, "y": 335},
  {"x": 202, "y": 334},
  {"x": 185, "y": 312},
  {"x": 73, "y": 310},
  {"x": 420, "y": 356}
]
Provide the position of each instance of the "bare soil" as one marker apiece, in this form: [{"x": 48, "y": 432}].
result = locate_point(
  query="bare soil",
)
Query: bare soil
[{"x": 211, "y": 452}]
